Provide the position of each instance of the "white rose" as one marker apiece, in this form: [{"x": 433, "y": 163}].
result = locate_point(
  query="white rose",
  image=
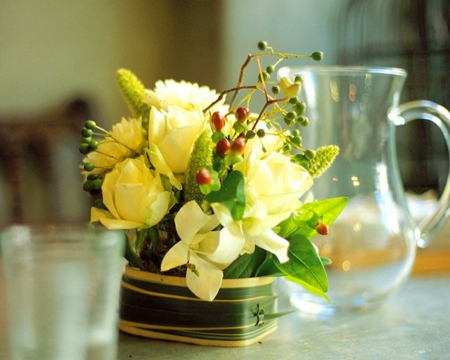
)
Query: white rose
[
  {"x": 275, "y": 181},
  {"x": 134, "y": 197},
  {"x": 186, "y": 95},
  {"x": 171, "y": 135},
  {"x": 271, "y": 142}
]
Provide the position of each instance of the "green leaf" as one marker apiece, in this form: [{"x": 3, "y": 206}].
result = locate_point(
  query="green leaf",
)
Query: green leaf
[
  {"x": 304, "y": 264},
  {"x": 244, "y": 266},
  {"x": 268, "y": 267},
  {"x": 133, "y": 259},
  {"x": 301, "y": 223},
  {"x": 231, "y": 195}
]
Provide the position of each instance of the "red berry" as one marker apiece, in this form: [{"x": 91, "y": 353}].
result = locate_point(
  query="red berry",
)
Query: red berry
[
  {"x": 218, "y": 121},
  {"x": 242, "y": 114},
  {"x": 222, "y": 147},
  {"x": 238, "y": 146},
  {"x": 322, "y": 228},
  {"x": 203, "y": 177}
]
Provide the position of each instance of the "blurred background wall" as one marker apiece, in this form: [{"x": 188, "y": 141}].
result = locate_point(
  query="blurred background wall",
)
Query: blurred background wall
[{"x": 54, "y": 51}]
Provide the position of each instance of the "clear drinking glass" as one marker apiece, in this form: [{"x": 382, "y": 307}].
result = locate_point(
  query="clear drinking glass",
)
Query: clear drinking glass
[
  {"x": 373, "y": 242},
  {"x": 62, "y": 289}
]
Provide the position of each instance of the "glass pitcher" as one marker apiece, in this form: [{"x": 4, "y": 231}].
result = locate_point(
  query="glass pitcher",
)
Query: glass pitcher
[{"x": 373, "y": 243}]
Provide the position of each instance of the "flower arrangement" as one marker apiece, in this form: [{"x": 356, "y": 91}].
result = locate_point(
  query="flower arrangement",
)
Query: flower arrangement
[{"x": 209, "y": 190}]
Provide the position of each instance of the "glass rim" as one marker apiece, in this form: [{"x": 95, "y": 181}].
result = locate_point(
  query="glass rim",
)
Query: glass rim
[
  {"x": 16, "y": 235},
  {"x": 341, "y": 70}
]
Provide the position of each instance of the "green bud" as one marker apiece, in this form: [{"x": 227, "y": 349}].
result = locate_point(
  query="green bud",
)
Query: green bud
[
  {"x": 299, "y": 158},
  {"x": 303, "y": 121},
  {"x": 93, "y": 145},
  {"x": 261, "y": 133},
  {"x": 90, "y": 124},
  {"x": 291, "y": 115},
  {"x": 287, "y": 147},
  {"x": 270, "y": 69},
  {"x": 322, "y": 160},
  {"x": 309, "y": 154},
  {"x": 298, "y": 79},
  {"x": 88, "y": 186},
  {"x": 97, "y": 183},
  {"x": 86, "y": 132},
  {"x": 287, "y": 120},
  {"x": 293, "y": 100},
  {"x": 86, "y": 140},
  {"x": 99, "y": 204},
  {"x": 262, "y": 45},
  {"x": 89, "y": 166},
  {"x": 296, "y": 140},
  {"x": 317, "y": 56},
  {"x": 300, "y": 107},
  {"x": 275, "y": 90},
  {"x": 250, "y": 134},
  {"x": 295, "y": 132},
  {"x": 265, "y": 75},
  {"x": 84, "y": 149}
]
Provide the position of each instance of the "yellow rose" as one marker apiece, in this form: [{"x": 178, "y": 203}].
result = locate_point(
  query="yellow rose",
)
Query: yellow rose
[{"x": 134, "y": 197}]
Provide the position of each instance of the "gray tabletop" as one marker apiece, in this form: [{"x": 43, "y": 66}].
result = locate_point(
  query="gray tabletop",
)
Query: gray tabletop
[{"x": 414, "y": 323}]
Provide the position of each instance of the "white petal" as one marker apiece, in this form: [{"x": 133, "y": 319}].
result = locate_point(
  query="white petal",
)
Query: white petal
[
  {"x": 273, "y": 243},
  {"x": 229, "y": 246},
  {"x": 189, "y": 220},
  {"x": 207, "y": 283},
  {"x": 176, "y": 256},
  {"x": 222, "y": 213}
]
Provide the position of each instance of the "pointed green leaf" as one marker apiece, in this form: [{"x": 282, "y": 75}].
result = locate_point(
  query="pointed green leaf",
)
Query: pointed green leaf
[
  {"x": 244, "y": 266},
  {"x": 301, "y": 223},
  {"x": 268, "y": 267},
  {"x": 231, "y": 195},
  {"x": 304, "y": 264}
]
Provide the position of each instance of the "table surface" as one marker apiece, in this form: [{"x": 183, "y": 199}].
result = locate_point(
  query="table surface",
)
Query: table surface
[{"x": 414, "y": 323}]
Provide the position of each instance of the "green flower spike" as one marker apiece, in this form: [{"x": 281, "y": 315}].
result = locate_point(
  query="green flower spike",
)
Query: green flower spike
[
  {"x": 201, "y": 157},
  {"x": 134, "y": 91},
  {"x": 322, "y": 160}
]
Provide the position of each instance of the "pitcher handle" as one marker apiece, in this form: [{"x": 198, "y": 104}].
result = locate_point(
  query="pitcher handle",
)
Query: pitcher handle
[{"x": 428, "y": 110}]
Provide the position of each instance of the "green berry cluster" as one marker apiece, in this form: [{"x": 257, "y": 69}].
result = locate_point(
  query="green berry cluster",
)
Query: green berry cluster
[{"x": 88, "y": 144}]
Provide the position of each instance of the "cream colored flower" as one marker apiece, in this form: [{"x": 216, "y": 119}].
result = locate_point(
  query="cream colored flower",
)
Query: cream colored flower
[
  {"x": 273, "y": 186},
  {"x": 125, "y": 140},
  {"x": 134, "y": 197},
  {"x": 186, "y": 95},
  {"x": 202, "y": 250},
  {"x": 171, "y": 135},
  {"x": 274, "y": 180},
  {"x": 255, "y": 229},
  {"x": 271, "y": 142}
]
